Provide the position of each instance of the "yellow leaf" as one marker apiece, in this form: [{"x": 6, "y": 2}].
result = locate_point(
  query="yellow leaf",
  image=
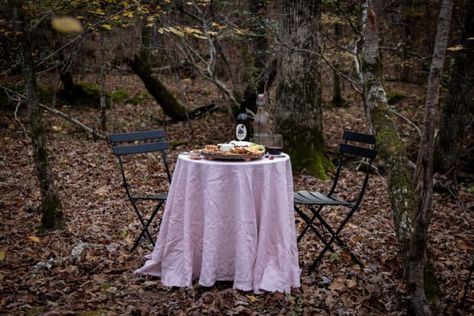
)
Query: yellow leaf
[
  {"x": 66, "y": 24},
  {"x": 128, "y": 14},
  {"x": 106, "y": 26},
  {"x": 199, "y": 36},
  {"x": 176, "y": 32},
  {"x": 252, "y": 298},
  {"x": 455, "y": 48},
  {"x": 191, "y": 30},
  {"x": 34, "y": 239},
  {"x": 2, "y": 255},
  {"x": 240, "y": 31},
  {"x": 98, "y": 11}
]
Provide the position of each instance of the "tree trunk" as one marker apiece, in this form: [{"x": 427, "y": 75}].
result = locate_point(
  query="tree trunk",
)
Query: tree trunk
[
  {"x": 103, "y": 66},
  {"x": 172, "y": 108},
  {"x": 71, "y": 92},
  {"x": 424, "y": 167},
  {"x": 142, "y": 66},
  {"x": 298, "y": 111},
  {"x": 458, "y": 107},
  {"x": 337, "y": 100},
  {"x": 391, "y": 149},
  {"x": 52, "y": 216}
]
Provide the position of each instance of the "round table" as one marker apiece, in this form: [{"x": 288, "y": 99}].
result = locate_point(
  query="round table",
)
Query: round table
[{"x": 228, "y": 220}]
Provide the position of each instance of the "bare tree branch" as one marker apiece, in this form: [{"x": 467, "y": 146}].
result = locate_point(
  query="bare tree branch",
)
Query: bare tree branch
[
  {"x": 67, "y": 117},
  {"x": 89, "y": 29},
  {"x": 406, "y": 120},
  {"x": 355, "y": 85}
]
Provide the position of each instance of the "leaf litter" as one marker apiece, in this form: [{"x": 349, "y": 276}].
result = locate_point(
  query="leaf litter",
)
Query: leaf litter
[{"x": 86, "y": 268}]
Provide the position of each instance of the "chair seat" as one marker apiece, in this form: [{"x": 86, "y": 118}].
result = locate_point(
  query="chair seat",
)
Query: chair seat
[
  {"x": 308, "y": 198},
  {"x": 157, "y": 197}
]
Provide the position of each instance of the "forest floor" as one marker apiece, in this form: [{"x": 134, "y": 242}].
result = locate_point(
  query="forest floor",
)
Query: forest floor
[{"x": 86, "y": 268}]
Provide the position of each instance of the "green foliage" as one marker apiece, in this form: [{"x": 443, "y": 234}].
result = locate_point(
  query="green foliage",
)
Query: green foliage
[{"x": 119, "y": 95}]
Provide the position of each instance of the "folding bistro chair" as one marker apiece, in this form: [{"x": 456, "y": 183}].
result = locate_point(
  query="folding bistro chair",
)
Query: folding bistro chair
[
  {"x": 316, "y": 201},
  {"x": 136, "y": 143}
]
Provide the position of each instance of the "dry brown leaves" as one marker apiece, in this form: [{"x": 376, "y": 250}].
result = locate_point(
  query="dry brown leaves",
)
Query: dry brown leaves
[{"x": 86, "y": 267}]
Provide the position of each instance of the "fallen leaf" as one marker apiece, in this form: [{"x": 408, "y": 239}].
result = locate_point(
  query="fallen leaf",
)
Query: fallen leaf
[
  {"x": 330, "y": 301},
  {"x": 337, "y": 285},
  {"x": 351, "y": 283},
  {"x": 2, "y": 255},
  {"x": 34, "y": 239},
  {"x": 102, "y": 191}
]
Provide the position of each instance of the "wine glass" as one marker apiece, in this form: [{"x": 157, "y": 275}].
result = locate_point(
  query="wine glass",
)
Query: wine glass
[{"x": 275, "y": 144}]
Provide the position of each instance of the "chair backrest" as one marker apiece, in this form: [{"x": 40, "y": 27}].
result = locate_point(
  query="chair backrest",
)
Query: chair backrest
[
  {"x": 352, "y": 147},
  {"x": 141, "y": 142}
]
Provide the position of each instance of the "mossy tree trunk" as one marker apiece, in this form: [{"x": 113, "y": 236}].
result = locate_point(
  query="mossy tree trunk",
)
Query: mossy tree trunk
[
  {"x": 141, "y": 65},
  {"x": 298, "y": 111},
  {"x": 458, "y": 107},
  {"x": 389, "y": 144},
  {"x": 52, "y": 216},
  {"x": 411, "y": 206},
  {"x": 168, "y": 102}
]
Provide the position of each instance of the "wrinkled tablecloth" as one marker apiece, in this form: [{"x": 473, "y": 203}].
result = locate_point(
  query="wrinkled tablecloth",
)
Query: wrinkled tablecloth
[{"x": 228, "y": 221}]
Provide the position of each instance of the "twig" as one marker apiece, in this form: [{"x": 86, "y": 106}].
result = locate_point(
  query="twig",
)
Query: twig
[
  {"x": 73, "y": 120},
  {"x": 18, "y": 120},
  {"x": 59, "y": 113},
  {"x": 355, "y": 85},
  {"x": 406, "y": 120}
]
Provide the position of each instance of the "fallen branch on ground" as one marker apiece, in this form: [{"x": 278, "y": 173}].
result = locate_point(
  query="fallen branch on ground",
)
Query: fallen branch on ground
[{"x": 67, "y": 117}]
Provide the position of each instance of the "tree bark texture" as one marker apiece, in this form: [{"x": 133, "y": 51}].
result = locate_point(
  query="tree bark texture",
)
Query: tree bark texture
[
  {"x": 391, "y": 149},
  {"x": 298, "y": 111},
  {"x": 103, "y": 68},
  {"x": 337, "y": 100},
  {"x": 171, "y": 107},
  {"x": 424, "y": 166},
  {"x": 458, "y": 107},
  {"x": 52, "y": 216}
]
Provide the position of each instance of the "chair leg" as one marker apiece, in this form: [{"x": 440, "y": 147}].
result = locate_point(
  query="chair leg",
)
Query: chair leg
[
  {"x": 339, "y": 240},
  {"x": 145, "y": 226},
  {"x": 309, "y": 224},
  {"x": 335, "y": 238},
  {"x": 308, "y": 221}
]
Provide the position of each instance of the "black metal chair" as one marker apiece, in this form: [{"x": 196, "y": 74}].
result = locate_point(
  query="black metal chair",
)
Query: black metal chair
[
  {"x": 316, "y": 201},
  {"x": 136, "y": 143}
]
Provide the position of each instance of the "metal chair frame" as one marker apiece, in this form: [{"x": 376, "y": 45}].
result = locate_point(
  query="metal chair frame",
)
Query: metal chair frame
[
  {"x": 141, "y": 142},
  {"x": 316, "y": 201}
]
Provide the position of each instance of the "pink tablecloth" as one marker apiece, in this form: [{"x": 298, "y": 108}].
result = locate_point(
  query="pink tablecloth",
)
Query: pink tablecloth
[{"x": 228, "y": 221}]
